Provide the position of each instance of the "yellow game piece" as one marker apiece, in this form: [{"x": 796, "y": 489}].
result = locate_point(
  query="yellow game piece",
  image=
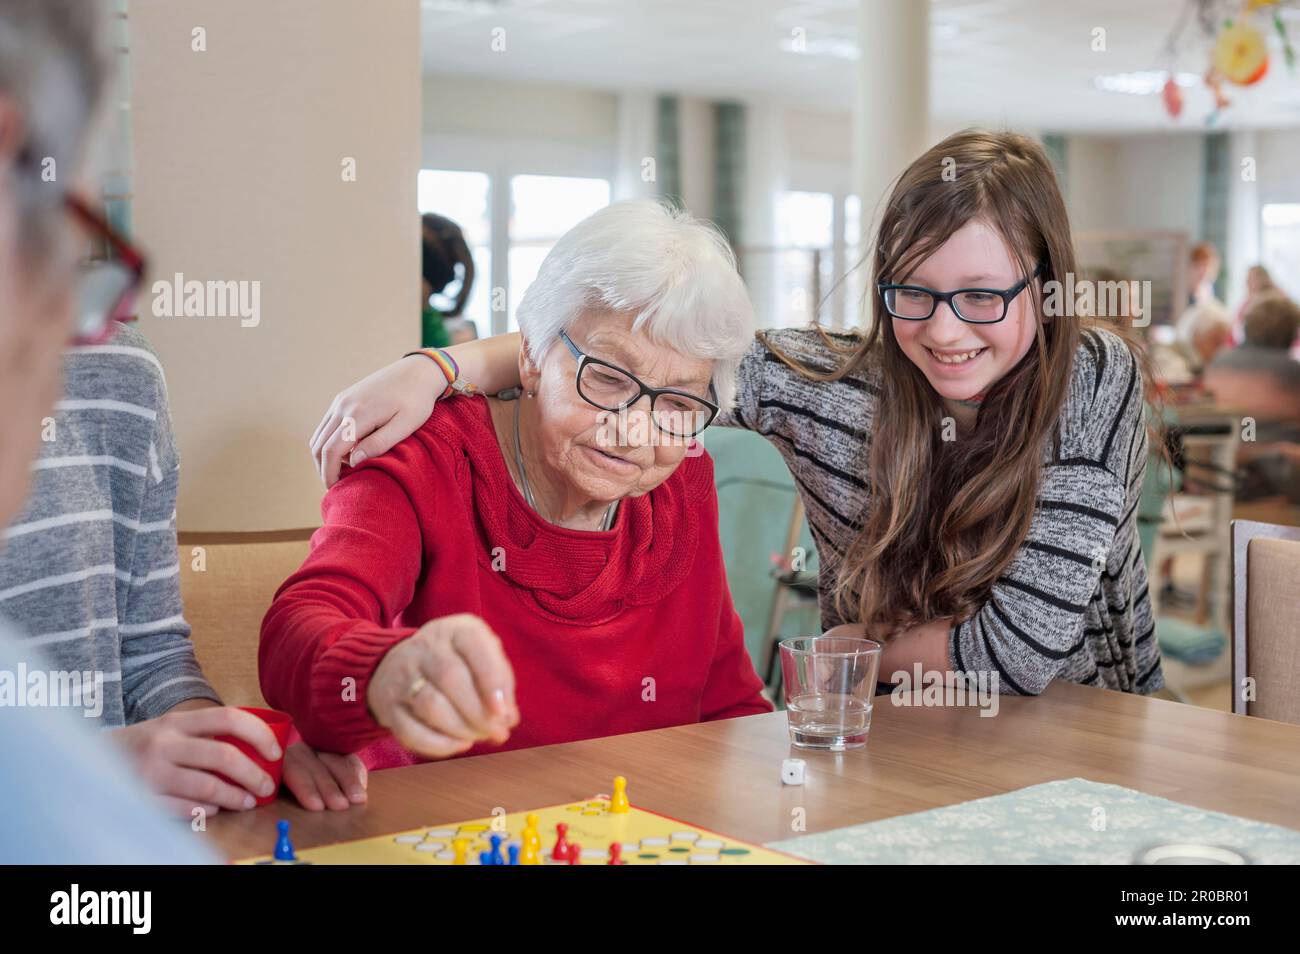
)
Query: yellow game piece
[
  {"x": 618, "y": 804},
  {"x": 530, "y": 841},
  {"x": 458, "y": 847}
]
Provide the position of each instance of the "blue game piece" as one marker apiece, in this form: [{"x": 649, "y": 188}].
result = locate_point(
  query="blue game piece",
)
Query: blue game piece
[
  {"x": 485, "y": 858},
  {"x": 513, "y": 851},
  {"x": 495, "y": 841},
  {"x": 283, "y": 846}
]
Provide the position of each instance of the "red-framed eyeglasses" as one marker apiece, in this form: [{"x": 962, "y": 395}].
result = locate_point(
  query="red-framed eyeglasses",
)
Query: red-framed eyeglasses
[{"x": 109, "y": 285}]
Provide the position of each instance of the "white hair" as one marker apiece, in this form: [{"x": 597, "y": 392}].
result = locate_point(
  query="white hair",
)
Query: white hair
[{"x": 675, "y": 272}]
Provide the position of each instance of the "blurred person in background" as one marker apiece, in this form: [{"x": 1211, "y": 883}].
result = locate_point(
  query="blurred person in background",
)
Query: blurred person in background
[
  {"x": 1203, "y": 264},
  {"x": 445, "y": 259},
  {"x": 1258, "y": 282},
  {"x": 1204, "y": 326},
  {"x": 1262, "y": 381}
]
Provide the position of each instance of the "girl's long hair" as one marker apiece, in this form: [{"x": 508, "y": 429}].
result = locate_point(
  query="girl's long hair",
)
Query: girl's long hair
[{"x": 946, "y": 516}]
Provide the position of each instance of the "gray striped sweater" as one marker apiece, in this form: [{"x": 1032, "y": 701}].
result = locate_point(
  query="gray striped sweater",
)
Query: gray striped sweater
[
  {"x": 89, "y": 571},
  {"x": 1074, "y": 603}
]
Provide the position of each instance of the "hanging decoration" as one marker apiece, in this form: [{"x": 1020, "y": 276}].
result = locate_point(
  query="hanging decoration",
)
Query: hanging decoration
[{"x": 1235, "y": 35}]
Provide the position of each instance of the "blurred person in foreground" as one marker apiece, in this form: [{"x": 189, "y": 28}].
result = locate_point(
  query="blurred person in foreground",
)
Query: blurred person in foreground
[{"x": 67, "y": 797}]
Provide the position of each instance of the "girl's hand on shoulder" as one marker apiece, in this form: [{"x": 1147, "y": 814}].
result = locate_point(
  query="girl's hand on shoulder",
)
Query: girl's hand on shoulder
[{"x": 368, "y": 418}]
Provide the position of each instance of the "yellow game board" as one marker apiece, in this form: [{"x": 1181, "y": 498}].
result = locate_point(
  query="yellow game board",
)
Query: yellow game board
[{"x": 647, "y": 839}]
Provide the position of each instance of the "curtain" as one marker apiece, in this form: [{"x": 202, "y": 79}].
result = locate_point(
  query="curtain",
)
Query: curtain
[
  {"x": 668, "y": 154},
  {"x": 1214, "y": 198},
  {"x": 729, "y": 168}
]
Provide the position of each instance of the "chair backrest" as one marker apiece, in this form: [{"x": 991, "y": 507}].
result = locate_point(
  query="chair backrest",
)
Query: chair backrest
[
  {"x": 1266, "y": 620},
  {"x": 227, "y": 582},
  {"x": 752, "y": 478}
]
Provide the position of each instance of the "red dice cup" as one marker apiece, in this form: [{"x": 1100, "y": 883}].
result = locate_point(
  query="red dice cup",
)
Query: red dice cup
[{"x": 281, "y": 724}]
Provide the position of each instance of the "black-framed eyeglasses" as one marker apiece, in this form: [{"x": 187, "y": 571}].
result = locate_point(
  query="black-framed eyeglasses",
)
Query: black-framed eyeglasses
[
  {"x": 977, "y": 306},
  {"x": 611, "y": 388}
]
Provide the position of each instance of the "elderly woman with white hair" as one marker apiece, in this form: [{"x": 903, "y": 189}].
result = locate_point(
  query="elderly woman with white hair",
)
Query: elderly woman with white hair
[{"x": 543, "y": 565}]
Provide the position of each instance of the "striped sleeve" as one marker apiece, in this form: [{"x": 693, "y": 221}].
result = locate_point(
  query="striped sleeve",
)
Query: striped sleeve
[
  {"x": 1032, "y": 625},
  {"x": 159, "y": 669},
  {"x": 818, "y": 427},
  {"x": 772, "y": 397},
  {"x": 753, "y": 381}
]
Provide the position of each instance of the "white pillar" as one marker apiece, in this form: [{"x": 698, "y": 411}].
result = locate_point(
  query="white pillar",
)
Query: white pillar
[
  {"x": 891, "y": 115},
  {"x": 1243, "y": 249},
  {"x": 638, "y": 138},
  {"x": 765, "y": 176}
]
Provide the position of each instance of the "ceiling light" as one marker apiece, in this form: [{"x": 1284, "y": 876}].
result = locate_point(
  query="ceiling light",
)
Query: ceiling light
[
  {"x": 1141, "y": 82},
  {"x": 821, "y": 46}
]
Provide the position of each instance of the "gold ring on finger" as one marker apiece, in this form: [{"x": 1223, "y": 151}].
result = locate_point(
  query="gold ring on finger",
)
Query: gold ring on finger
[{"x": 419, "y": 683}]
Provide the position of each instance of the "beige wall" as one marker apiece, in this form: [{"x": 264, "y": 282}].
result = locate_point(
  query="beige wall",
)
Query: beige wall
[
  {"x": 238, "y": 176},
  {"x": 1135, "y": 182},
  {"x": 697, "y": 153},
  {"x": 480, "y": 106}
]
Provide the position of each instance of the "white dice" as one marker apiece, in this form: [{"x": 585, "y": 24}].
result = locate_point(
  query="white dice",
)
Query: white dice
[{"x": 792, "y": 771}]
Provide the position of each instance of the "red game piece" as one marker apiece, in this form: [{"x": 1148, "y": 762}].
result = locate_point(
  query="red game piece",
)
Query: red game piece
[
  {"x": 616, "y": 854},
  {"x": 281, "y": 724},
  {"x": 561, "y": 850},
  {"x": 575, "y": 854}
]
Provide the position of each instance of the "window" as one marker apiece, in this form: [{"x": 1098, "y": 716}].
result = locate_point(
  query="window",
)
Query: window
[
  {"x": 804, "y": 263},
  {"x": 542, "y": 208},
  {"x": 1280, "y": 245},
  {"x": 852, "y": 305},
  {"x": 805, "y": 219},
  {"x": 466, "y": 199}
]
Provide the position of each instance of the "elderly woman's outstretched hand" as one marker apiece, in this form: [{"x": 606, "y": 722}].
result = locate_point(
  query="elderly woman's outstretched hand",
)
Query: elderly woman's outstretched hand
[
  {"x": 380, "y": 410},
  {"x": 446, "y": 687}
]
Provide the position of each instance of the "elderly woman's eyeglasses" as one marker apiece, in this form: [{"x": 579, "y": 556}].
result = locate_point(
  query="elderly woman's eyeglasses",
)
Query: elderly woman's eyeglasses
[
  {"x": 977, "y": 306},
  {"x": 108, "y": 284},
  {"x": 610, "y": 388}
]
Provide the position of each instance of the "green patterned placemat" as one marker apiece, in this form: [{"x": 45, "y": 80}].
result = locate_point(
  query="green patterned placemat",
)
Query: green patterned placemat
[{"x": 1070, "y": 821}]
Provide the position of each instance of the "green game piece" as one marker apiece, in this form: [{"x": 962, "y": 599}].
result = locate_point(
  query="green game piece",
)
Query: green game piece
[
  {"x": 734, "y": 851},
  {"x": 678, "y": 849},
  {"x": 647, "y": 854}
]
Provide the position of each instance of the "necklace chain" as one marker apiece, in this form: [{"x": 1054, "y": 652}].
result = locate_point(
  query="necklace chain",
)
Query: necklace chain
[{"x": 606, "y": 522}]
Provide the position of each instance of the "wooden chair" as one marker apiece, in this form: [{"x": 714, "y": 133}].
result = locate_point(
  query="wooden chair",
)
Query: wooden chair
[
  {"x": 793, "y": 589},
  {"x": 1266, "y": 620},
  {"x": 1197, "y": 516},
  {"x": 227, "y": 583}
]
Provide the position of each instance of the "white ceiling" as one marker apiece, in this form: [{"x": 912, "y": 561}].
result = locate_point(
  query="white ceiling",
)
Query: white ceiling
[{"x": 1025, "y": 63}]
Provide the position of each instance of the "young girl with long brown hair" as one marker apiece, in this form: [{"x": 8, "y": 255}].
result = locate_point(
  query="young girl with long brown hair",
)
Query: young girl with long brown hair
[{"x": 970, "y": 465}]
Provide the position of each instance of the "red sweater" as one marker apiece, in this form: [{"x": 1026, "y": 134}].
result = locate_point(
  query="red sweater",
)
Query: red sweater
[{"x": 586, "y": 617}]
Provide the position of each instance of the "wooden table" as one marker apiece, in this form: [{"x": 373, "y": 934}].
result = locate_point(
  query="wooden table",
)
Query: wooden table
[{"x": 725, "y": 776}]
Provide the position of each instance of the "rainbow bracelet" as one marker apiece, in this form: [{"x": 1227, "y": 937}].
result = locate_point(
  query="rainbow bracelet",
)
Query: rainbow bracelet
[{"x": 450, "y": 369}]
